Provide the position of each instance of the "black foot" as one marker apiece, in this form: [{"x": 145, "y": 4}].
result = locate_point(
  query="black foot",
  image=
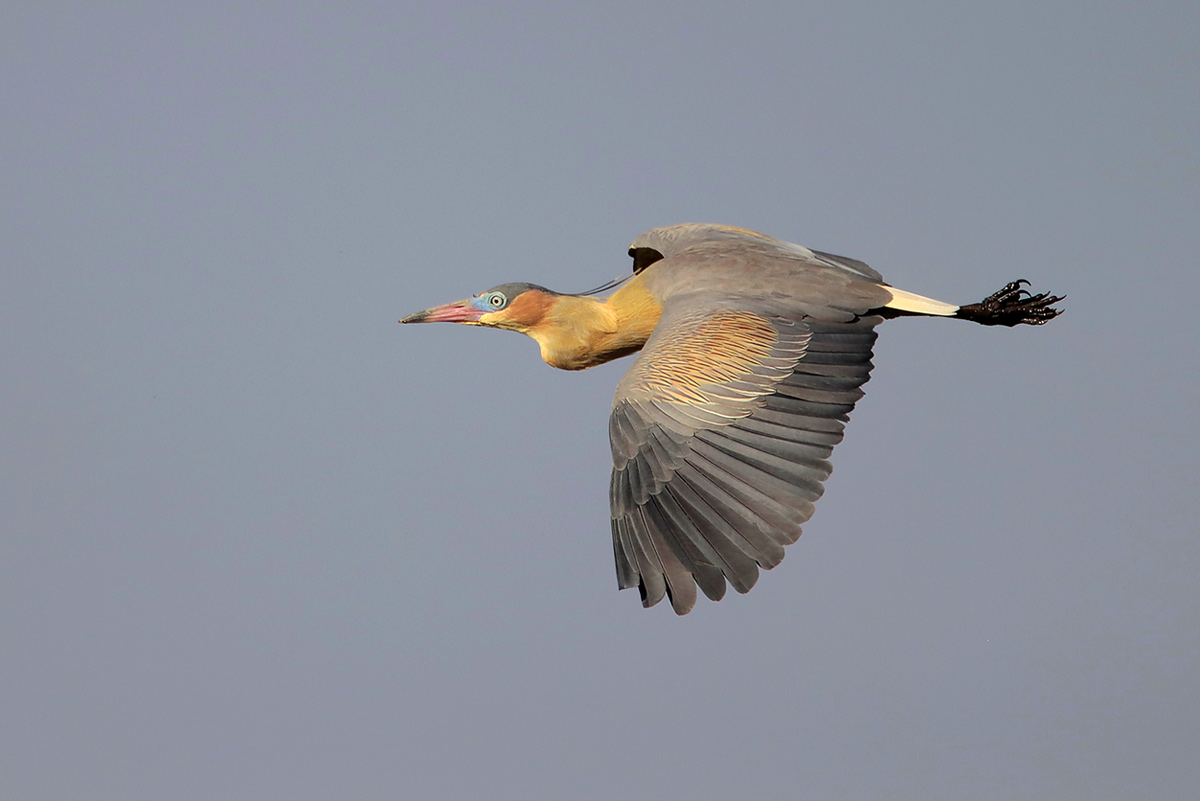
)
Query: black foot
[{"x": 1012, "y": 306}]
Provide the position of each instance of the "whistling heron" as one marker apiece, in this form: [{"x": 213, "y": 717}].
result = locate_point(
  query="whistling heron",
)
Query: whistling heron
[{"x": 753, "y": 353}]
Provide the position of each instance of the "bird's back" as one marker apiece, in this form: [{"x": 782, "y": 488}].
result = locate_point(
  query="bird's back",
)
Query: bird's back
[{"x": 736, "y": 268}]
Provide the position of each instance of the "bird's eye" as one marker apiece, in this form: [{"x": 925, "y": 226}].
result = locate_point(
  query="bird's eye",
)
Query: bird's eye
[{"x": 497, "y": 300}]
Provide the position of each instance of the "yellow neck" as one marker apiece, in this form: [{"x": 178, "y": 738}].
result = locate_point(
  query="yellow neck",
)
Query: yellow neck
[{"x": 579, "y": 332}]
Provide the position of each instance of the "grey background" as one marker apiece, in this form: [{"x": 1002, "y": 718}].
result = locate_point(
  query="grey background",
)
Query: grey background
[{"x": 260, "y": 542}]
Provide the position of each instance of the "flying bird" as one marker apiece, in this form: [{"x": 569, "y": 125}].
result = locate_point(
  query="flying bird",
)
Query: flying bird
[{"x": 753, "y": 352}]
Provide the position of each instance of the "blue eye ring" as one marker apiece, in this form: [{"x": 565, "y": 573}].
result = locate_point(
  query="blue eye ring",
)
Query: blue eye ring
[{"x": 495, "y": 300}]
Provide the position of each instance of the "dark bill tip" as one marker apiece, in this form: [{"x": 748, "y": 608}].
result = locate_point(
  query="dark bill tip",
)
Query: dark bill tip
[{"x": 419, "y": 317}]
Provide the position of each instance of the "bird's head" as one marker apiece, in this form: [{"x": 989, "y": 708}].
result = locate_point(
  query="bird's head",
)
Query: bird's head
[
  {"x": 517, "y": 307},
  {"x": 572, "y": 331}
]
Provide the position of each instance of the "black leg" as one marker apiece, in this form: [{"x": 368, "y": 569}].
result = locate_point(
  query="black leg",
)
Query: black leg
[{"x": 1012, "y": 306}]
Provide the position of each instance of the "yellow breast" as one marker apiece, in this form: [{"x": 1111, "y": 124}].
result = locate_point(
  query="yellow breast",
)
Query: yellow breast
[{"x": 580, "y": 332}]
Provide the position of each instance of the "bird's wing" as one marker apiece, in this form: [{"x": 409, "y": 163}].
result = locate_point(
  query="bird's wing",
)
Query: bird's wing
[{"x": 720, "y": 433}]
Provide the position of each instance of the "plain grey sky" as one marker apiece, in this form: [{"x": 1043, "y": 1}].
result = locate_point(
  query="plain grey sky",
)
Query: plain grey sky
[{"x": 261, "y": 542}]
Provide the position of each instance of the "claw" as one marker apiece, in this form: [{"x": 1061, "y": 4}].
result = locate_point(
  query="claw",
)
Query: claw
[{"x": 1011, "y": 306}]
